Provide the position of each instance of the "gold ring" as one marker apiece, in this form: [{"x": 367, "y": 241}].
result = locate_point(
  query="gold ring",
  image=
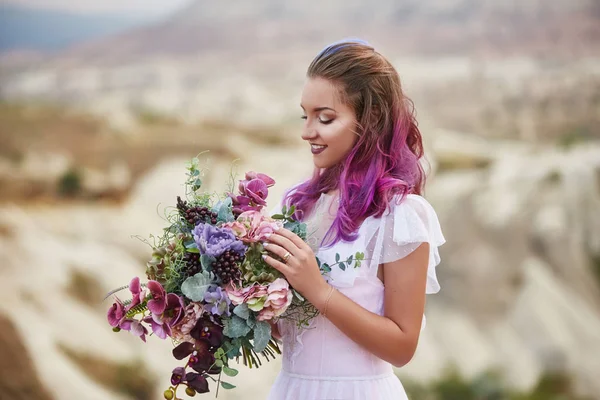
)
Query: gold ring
[{"x": 286, "y": 257}]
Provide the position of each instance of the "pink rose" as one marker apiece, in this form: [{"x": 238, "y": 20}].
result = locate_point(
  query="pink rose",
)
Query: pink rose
[
  {"x": 254, "y": 296},
  {"x": 252, "y": 226},
  {"x": 278, "y": 300}
]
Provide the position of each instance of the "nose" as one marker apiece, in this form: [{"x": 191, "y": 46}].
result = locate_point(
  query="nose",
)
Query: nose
[{"x": 308, "y": 132}]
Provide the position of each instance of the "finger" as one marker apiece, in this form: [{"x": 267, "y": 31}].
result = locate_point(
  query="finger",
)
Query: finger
[
  {"x": 291, "y": 236},
  {"x": 284, "y": 242},
  {"x": 278, "y": 265},
  {"x": 275, "y": 249}
]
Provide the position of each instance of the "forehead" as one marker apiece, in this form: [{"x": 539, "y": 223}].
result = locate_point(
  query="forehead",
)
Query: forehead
[{"x": 319, "y": 92}]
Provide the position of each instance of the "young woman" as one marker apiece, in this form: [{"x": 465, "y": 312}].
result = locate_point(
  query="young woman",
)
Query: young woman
[{"x": 364, "y": 196}]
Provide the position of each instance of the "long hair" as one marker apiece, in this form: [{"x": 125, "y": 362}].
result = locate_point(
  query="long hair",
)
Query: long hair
[{"x": 384, "y": 162}]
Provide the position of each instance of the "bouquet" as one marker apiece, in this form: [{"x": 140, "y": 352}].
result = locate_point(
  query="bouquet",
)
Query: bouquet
[{"x": 208, "y": 289}]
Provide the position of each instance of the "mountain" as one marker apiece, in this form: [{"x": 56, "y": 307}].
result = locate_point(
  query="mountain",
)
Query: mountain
[
  {"x": 23, "y": 28},
  {"x": 431, "y": 27}
]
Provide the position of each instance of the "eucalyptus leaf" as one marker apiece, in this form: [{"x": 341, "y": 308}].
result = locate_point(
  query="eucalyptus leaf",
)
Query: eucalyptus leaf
[
  {"x": 196, "y": 286},
  {"x": 251, "y": 321},
  {"x": 242, "y": 311},
  {"x": 225, "y": 213},
  {"x": 337, "y": 257},
  {"x": 262, "y": 335},
  {"x": 207, "y": 262},
  {"x": 230, "y": 371},
  {"x": 342, "y": 266},
  {"x": 235, "y": 327},
  {"x": 219, "y": 363},
  {"x": 227, "y": 385}
]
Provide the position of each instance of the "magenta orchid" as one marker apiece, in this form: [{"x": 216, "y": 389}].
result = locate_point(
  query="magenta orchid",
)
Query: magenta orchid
[{"x": 159, "y": 298}]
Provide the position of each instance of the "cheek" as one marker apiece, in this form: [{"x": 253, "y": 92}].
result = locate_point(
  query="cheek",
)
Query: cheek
[{"x": 339, "y": 136}]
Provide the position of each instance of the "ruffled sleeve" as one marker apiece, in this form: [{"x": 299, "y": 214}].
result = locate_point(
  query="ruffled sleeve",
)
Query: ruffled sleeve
[{"x": 404, "y": 227}]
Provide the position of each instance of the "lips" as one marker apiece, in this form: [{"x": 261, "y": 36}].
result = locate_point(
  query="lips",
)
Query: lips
[{"x": 317, "y": 149}]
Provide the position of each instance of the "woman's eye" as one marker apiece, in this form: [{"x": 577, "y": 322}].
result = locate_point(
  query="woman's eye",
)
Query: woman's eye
[
  {"x": 325, "y": 121},
  {"x": 303, "y": 117}
]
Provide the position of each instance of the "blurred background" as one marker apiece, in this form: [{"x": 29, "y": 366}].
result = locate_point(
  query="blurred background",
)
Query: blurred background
[{"x": 102, "y": 103}]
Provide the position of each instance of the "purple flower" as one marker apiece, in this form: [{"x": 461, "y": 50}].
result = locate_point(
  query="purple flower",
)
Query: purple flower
[
  {"x": 135, "y": 327},
  {"x": 253, "y": 192},
  {"x": 197, "y": 382},
  {"x": 215, "y": 241},
  {"x": 207, "y": 330},
  {"x": 177, "y": 376},
  {"x": 162, "y": 323},
  {"x": 159, "y": 298},
  {"x": 116, "y": 314},
  {"x": 217, "y": 301}
]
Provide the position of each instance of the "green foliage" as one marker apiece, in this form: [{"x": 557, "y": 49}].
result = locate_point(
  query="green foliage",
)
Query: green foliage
[
  {"x": 262, "y": 336},
  {"x": 70, "y": 183},
  {"x": 196, "y": 286},
  {"x": 236, "y": 327},
  {"x": 489, "y": 386}
]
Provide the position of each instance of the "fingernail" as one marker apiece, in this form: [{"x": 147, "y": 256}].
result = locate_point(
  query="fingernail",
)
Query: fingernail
[
  {"x": 264, "y": 256},
  {"x": 265, "y": 244},
  {"x": 267, "y": 235}
]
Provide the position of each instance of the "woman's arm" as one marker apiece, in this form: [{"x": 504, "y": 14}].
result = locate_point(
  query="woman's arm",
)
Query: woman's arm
[{"x": 392, "y": 337}]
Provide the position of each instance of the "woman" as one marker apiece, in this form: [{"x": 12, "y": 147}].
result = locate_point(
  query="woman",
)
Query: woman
[{"x": 364, "y": 196}]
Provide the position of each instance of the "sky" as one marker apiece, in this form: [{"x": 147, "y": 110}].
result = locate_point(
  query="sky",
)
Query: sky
[{"x": 155, "y": 8}]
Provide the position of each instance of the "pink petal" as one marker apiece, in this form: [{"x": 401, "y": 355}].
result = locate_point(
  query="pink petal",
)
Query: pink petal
[
  {"x": 134, "y": 286},
  {"x": 157, "y": 306}
]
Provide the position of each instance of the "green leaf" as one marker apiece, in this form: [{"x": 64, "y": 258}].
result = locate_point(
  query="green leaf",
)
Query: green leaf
[
  {"x": 227, "y": 385},
  {"x": 230, "y": 371},
  {"x": 278, "y": 216},
  {"x": 207, "y": 262},
  {"x": 251, "y": 321},
  {"x": 235, "y": 327},
  {"x": 284, "y": 210},
  {"x": 262, "y": 335},
  {"x": 337, "y": 257},
  {"x": 193, "y": 250},
  {"x": 350, "y": 259},
  {"x": 318, "y": 262},
  {"x": 242, "y": 311},
  {"x": 197, "y": 184},
  {"x": 298, "y": 295},
  {"x": 190, "y": 244},
  {"x": 225, "y": 213},
  {"x": 292, "y": 210},
  {"x": 196, "y": 286},
  {"x": 233, "y": 350},
  {"x": 342, "y": 266},
  {"x": 195, "y": 172},
  {"x": 219, "y": 363}
]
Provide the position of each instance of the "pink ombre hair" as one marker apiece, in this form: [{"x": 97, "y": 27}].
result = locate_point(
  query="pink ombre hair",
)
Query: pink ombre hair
[{"x": 384, "y": 161}]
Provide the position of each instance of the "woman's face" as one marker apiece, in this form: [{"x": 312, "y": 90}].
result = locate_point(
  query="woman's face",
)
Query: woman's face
[{"x": 330, "y": 125}]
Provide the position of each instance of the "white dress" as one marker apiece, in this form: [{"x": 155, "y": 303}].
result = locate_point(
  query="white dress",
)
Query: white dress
[{"x": 320, "y": 362}]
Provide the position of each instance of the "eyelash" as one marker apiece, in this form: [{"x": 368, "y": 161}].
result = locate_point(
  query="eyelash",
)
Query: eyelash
[{"x": 304, "y": 117}]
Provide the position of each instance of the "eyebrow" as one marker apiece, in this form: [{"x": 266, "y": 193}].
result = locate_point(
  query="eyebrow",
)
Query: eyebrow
[{"x": 320, "y": 108}]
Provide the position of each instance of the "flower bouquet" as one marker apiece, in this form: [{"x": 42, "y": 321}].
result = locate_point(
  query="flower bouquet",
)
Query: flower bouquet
[{"x": 208, "y": 288}]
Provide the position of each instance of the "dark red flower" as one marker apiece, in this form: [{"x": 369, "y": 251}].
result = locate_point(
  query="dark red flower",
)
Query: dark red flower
[
  {"x": 207, "y": 330},
  {"x": 197, "y": 382}
]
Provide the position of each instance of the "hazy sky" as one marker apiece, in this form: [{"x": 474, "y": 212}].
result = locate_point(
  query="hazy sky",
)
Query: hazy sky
[{"x": 149, "y": 7}]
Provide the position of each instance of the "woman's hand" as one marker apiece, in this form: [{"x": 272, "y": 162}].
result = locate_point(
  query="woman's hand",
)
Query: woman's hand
[{"x": 301, "y": 269}]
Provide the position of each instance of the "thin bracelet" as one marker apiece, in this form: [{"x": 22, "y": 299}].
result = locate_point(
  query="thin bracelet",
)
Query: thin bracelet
[{"x": 327, "y": 301}]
